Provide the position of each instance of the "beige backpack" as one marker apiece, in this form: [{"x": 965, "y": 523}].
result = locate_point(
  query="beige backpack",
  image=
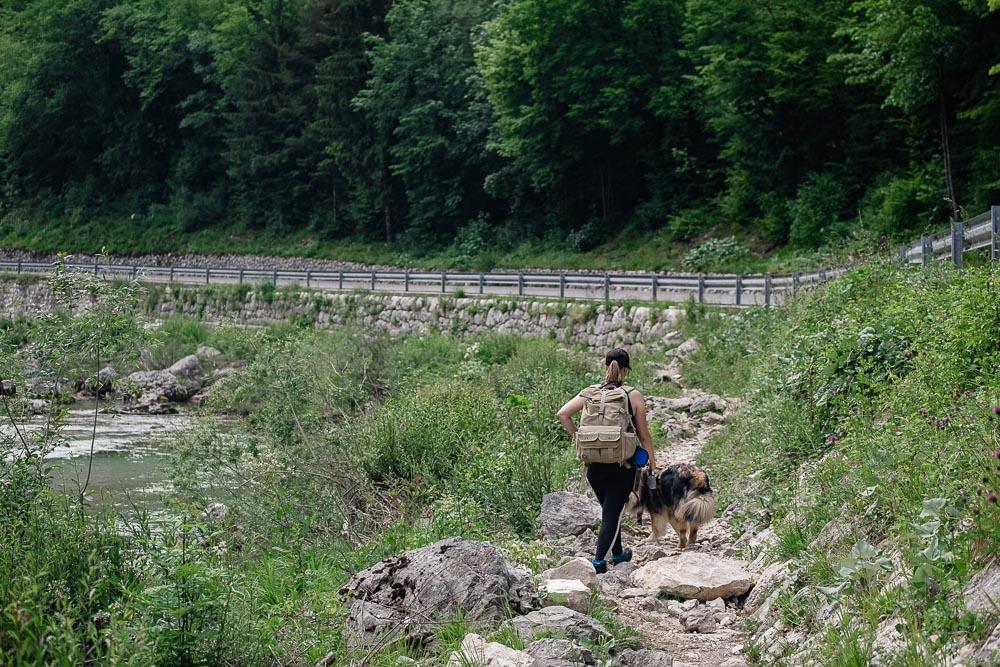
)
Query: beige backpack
[{"x": 606, "y": 434}]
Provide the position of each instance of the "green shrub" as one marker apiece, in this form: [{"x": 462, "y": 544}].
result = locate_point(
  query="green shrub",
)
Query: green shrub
[{"x": 714, "y": 254}]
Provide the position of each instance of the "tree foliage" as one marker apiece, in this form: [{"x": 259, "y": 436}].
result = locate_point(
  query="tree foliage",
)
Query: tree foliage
[{"x": 420, "y": 121}]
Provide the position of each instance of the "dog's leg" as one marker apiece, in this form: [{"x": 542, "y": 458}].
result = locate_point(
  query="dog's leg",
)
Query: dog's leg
[
  {"x": 681, "y": 529},
  {"x": 692, "y": 534},
  {"x": 658, "y": 523}
]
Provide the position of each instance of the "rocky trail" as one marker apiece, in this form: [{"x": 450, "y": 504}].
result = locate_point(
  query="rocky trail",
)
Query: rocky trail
[
  {"x": 684, "y": 607},
  {"x": 691, "y": 632}
]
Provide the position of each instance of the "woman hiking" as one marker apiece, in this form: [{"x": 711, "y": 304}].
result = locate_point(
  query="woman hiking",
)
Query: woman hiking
[{"x": 612, "y": 482}]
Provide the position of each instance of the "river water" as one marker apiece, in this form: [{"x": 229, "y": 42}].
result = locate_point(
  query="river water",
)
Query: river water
[{"x": 131, "y": 454}]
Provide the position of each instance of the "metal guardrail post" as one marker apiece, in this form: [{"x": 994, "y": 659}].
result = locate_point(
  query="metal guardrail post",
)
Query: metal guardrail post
[
  {"x": 170, "y": 278},
  {"x": 995, "y": 234},
  {"x": 95, "y": 268},
  {"x": 607, "y": 287},
  {"x": 767, "y": 290},
  {"x": 926, "y": 250},
  {"x": 274, "y": 278},
  {"x": 957, "y": 243},
  {"x": 373, "y": 281},
  {"x": 655, "y": 282},
  {"x": 135, "y": 271},
  {"x": 562, "y": 285},
  {"x": 340, "y": 280},
  {"x": 309, "y": 275},
  {"x": 406, "y": 281},
  {"x": 482, "y": 283},
  {"x": 444, "y": 282},
  {"x": 520, "y": 284},
  {"x": 822, "y": 275},
  {"x": 796, "y": 279},
  {"x": 18, "y": 266},
  {"x": 701, "y": 289},
  {"x": 208, "y": 275},
  {"x": 739, "y": 290},
  {"x": 241, "y": 275}
]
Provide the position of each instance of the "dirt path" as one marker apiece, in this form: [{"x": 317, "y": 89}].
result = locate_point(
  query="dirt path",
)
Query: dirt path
[{"x": 659, "y": 622}]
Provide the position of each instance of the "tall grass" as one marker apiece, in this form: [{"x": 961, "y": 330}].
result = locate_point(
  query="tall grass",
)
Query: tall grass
[{"x": 868, "y": 431}]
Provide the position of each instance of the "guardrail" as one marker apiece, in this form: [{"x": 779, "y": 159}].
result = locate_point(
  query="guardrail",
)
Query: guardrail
[
  {"x": 717, "y": 289},
  {"x": 978, "y": 232}
]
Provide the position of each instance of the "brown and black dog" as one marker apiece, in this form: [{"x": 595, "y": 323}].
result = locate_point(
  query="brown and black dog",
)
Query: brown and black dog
[{"x": 680, "y": 496}]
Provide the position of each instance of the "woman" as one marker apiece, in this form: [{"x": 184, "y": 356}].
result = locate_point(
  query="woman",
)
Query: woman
[{"x": 612, "y": 482}]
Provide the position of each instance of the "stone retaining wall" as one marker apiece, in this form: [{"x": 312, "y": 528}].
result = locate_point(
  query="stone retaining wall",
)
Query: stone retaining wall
[{"x": 595, "y": 325}]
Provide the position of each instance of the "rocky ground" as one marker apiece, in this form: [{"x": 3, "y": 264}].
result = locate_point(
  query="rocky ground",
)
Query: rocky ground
[{"x": 692, "y": 632}]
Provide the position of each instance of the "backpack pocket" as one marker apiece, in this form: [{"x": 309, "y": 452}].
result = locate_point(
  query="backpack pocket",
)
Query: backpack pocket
[{"x": 604, "y": 444}]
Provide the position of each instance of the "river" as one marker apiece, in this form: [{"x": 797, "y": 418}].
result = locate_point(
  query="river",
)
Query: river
[{"x": 131, "y": 455}]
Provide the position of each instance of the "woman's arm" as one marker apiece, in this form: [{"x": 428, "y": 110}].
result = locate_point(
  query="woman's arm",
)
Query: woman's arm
[
  {"x": 638, "y": 403},
  {"x": 566, "y": 412}
]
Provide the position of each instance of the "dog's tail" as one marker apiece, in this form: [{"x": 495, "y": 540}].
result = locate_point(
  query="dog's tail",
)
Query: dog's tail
[{"x": 698, "y": 507}]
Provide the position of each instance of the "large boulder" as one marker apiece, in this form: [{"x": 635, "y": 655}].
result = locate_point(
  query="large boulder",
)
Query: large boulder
[
  {"x": 189, "y": 373},
  {"x": 684, "y": 350},
  {"x": 153, "y": 386},
  {"x": 691, "y": 574},
  {"x": 559, "y": 621},
  {"x": 393, "y": 599},
  {"x": 566, "y": 513}
]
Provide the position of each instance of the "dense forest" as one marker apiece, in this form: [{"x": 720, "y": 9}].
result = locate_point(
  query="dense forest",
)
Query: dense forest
[{"x": 481, "y": 123}]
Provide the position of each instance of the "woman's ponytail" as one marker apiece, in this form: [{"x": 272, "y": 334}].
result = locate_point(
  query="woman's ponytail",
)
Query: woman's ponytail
[{"x": 614, "y": 373}]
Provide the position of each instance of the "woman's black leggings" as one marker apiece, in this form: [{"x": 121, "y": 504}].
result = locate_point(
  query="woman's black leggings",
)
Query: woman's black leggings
[{"x": 611, "y": 484}]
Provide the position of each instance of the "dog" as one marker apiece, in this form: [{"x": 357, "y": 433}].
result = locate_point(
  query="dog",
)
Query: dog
[{"x": 680, "y": 495}]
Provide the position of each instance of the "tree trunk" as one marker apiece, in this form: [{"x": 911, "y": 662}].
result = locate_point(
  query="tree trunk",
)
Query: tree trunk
[
  {"x": 388, "y": 223},
  {"x": 946, "y": 150}
]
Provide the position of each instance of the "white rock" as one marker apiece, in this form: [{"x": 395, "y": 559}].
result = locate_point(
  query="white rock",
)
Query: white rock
[
  {"x": 580, "y": 569},
  {"x": 477, "y": 651},
  {"x": 569, "y": 593},
  {"x": 695, "y": 575}
]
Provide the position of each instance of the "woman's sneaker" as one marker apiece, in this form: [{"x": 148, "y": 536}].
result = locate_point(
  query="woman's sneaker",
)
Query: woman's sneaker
[
  {"x": 623, "y": 557},
  {"x": 601, "y": 566}
]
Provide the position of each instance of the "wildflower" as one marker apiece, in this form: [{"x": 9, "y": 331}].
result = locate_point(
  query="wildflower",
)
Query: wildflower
[
  {"x": 997, "y": 454},
  {"x": 992, "y": 497},
  {"x": 831, "y": 438},
  {"x": 996, "y": 409},
  {"x": 922, "y": 411},
  {"x": 854, "y": 409},
  {"x": 968, "y": 392}
]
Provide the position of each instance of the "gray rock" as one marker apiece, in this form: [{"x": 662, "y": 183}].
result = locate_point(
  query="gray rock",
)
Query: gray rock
[
  {"x": 559, "y": 653},
  {"x": 675, "y": 404},
  {"x": 566, "y": 513},
  {"x": 477, "y": 651},
  {"x": 701, "y": 619},
  {"x": 37, "y": 406},
  {"x": 152, "y": 385},
  {"x": 982, "y": 593},
  {"x": 388, "y": 601},
  {"x": 692, "y": 574},
  {"x": 565, "y": 592},
  {"x": 645, "y": 658},
  {"x": 559, "y": 621},
  {"x": 684, "y": 350},
  {"x": 617, "y": 579},
  {"x": 774, "y": 578},
  {"x": 888, "y": 640},
  {"x": 207, "y": 353},
  {"x": 188, "y": 372},
  {"x": 580, "y": 569},
  {"x": 707, "y": 403},
  {"x": 667, "y": 377}
]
